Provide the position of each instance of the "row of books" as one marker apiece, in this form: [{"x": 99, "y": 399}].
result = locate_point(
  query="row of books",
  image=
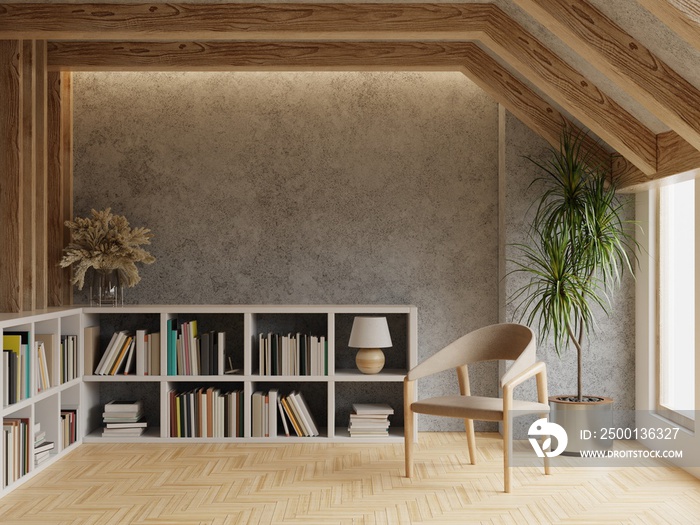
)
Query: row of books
[
  {"x": 123, "y": 419},
  {"x": 17, "y": 360},
  {"x": 192, "y": 353},
  {"x": 292, "y": 354},
  {"x": 22, "y": 445},
  {"x": 370, "y": 420},
  {"x": 17, "y": 448},
  {"x": 206, "y": 412},
  {"x": 129, "y": 353},
  {"x": 292, "y": 410},
  {"x": 68, "y": 358},
  {"x": 17, "y": 366},
  {"x": 18, "y": 355},
  {"x": 68, "y": 430}
]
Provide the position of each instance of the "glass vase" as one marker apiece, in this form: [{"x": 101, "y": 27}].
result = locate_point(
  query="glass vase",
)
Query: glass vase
[{"x": 107, "y": 288}]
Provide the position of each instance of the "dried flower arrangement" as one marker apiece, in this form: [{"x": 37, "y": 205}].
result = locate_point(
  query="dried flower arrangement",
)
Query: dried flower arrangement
[{"x": 105, "y": 241}]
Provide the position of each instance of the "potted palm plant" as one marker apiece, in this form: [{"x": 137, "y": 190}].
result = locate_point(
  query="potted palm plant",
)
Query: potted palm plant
[{"x": 578, "y": 248}]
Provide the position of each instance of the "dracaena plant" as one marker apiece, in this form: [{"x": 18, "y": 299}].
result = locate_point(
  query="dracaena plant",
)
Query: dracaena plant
[
  {"x": 577, "y": 249},
  {"x": 105, "y": 241}
]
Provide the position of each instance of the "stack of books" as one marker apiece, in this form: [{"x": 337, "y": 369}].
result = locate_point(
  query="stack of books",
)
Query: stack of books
[
  {"x": 42, "y": 448},
  {"x": 370, "y": 420},
  {"x": 123, "y": 419}
]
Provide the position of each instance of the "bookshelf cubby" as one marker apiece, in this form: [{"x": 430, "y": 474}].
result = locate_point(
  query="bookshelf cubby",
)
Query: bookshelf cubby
[{"x": 329, "y": 395}]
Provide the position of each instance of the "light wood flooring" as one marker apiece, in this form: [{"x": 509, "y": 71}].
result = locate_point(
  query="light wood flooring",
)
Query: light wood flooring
[{"x": 217, "y": 484}]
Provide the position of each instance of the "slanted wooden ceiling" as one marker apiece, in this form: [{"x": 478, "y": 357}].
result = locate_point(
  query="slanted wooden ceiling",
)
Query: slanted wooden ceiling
[{"x": 40, "y": 44}]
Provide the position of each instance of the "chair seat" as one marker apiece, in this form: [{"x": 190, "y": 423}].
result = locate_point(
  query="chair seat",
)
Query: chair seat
[{"x": 475, "y": 407}]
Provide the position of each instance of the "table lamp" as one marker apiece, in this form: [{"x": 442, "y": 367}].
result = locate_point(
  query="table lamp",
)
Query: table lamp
[{"x": 370, "y": 335}]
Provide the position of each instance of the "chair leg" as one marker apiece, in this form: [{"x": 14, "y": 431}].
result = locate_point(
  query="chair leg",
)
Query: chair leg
[
  {"x": 507, "y": 449},
  {"x": 408, "y": 443},
  {"x": 408, "y": 427},
  {"x": 471, "y": 440},
  {"x": 546, "y": 458}
]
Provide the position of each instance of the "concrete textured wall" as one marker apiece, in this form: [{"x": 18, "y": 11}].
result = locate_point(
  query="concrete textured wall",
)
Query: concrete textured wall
[
  {"x": 341, "y": 187},
  {"x": 331, "y": 187}
]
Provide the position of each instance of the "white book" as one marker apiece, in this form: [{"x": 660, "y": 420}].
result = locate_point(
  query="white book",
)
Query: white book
[
  {"x": 122, "y": 432},
  {"x": 204, "y": 416},
  {"x": 323, "y": 355},
  {"x": 123, "y": 406},
  {"x": 372, "y": 409},
  {"x": 129, "y": 357},
  {"x": 221, "y": 404},
  {"x": 272, "y": 409},
  {"x": 141, "y": 344},
  {"x": 306, "y": 413},
  {"x": 280, "y": 408},
  {"x": 301, "y": 419},
  {"x": 256, "y": 408},
  {"x": 266, "y": 415},
  {"x": 261, "y": 354},
  {"x": 111, "y": 353},
  {"x": 221, "y": 350},
  {"x": 194, "y": 350},
  {"x": 233, "y": 413}
]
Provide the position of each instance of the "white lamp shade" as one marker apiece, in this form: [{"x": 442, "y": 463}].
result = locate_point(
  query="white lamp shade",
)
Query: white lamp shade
[{"x": 370, "y": 332}]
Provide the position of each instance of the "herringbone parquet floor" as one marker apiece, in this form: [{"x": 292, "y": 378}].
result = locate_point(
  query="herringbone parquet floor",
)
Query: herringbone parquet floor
[{"x": 307, "y": 484}]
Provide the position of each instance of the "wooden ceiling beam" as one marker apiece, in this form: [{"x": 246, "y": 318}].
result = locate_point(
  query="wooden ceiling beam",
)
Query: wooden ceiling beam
[
  {"x": 571, "y": 90},
  {"x": 675, "y": 156},
  {"x": 256, "y": 56},
  {"x": 662, "y": 91},
  {"x": 242, "y": 21},
  {"x": 430, "y": 34},
  {"x": 682, "y": 16}
]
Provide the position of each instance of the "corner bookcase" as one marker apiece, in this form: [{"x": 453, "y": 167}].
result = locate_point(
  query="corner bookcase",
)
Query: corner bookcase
[{"x": 329, "y": 395}]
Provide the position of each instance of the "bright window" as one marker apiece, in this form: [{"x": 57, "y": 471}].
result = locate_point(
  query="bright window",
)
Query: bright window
[{"x": 677, "y": 301}]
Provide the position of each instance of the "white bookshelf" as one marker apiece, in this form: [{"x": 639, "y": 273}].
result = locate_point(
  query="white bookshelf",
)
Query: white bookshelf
[
  {"x": 331, "y": 394},
  {"x": 43, "y": 407}
]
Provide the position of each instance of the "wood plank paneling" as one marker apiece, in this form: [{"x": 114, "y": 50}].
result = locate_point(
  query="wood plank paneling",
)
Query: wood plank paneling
[
  {"x": 682, "y": 16},
  {"x": 28, "y": 192},
  {"x": 11, "y": 179},
  {"x": 66, "y": 176},
  {"x": 54, "y": 206},
  {"x": 583, "y": 99},
  {"x": 40, "y": 182},
  {"x": 241, "y": 21},
  {"x": 662, "y": 91}
]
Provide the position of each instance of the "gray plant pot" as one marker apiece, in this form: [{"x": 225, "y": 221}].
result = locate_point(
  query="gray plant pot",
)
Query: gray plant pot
[{"x": 584, "y": 422}]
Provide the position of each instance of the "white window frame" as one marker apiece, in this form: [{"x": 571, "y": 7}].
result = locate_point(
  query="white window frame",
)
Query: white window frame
[
  {"x": 669, "y": 413},
  {"x": 646, "y": 415}
]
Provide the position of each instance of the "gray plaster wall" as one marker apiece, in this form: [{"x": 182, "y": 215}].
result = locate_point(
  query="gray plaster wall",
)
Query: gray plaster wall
[
  {"x": 331, "y": 187},
  {"x": 304, "y": 188}
]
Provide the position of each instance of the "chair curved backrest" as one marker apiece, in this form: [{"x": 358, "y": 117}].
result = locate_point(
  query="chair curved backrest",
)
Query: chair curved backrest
[{"x": 510, "y": 341}]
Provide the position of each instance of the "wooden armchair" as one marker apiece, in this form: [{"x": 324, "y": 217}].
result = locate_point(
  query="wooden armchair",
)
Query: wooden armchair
[{"x": 501, "y": 341}]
